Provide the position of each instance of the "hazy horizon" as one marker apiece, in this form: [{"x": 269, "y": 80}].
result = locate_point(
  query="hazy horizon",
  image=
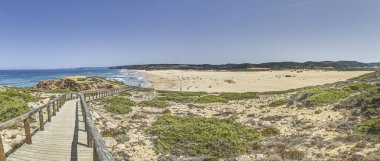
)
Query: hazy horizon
[{"x": 72, "y": 34}]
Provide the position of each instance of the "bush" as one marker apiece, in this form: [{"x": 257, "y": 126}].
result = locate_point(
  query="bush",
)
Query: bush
[
  {"x": 239, "y": 96},
  {"x": 11, "y": 107},
  {"x": 15, "y": 94},
  {"x": 211, "y": 99},
  {"x": 154, "y": 103},
  {"x": 359, "y": 86},
  {"x": 371, "y": 126},
  {"x": 181, "y": 93},
  {"x": 197, "y": 136},
  {"x": 120, "y": 100},
  {"x": 119, "y": 108},
  {"x": 125, "y": 94},
  {"x": 270, "y": 131},
  {"x": 322, "y": 96},
  {"x": 277, "y": 103},
  {"x": 118, "y": 105},
  {"x": 180, "y": 96},
  {"x": 167, "y": 112}
]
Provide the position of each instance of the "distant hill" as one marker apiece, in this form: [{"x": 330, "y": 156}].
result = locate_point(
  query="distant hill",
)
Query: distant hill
[{"x": 245, "y": 66}]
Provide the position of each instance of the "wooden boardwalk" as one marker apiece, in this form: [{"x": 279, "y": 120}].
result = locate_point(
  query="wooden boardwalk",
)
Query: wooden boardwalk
[{"x": 62, "y": 139}]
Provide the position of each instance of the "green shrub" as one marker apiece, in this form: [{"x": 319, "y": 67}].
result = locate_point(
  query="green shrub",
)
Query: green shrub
[
  {"x": 239, "y": 96},
  {"x": 11, "y": 107},
  {"x": 278, "y": 103},
  {"x": 371, "y": 126},
  {"x": 325, "y": 96},
  {"x": 197, "y": 136},
  {"x": 359, "y": 86},
  {"x": 181, "y": 93},
  {"x": 121, "y": 100},
  {"x": 154, "y": 103},
  {"x": 25, "y": 90},
  {"x": 167, "y": 112},
  {"x": 270, "y": 131},
  {"x": 211, "y": 99},
  {"x": 125, "y": 94},
  {"x": 180, "y": 96},
  {"x": 16, "y": 94},
  {"x": 119, "y": 105},
  {"x": 119, "y": 108}
]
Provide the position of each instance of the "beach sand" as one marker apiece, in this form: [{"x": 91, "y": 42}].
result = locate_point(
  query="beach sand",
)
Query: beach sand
[{"x": 243, "y": 81}]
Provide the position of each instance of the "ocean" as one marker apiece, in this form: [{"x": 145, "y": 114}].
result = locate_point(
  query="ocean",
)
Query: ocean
[{"x": 30, "y": 78}]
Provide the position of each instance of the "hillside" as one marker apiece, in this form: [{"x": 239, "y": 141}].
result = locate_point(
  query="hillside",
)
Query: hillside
[{"x": 247, "y": 66}]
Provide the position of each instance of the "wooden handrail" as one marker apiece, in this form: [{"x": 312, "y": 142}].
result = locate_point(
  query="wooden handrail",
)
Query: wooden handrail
[
  {"x": 94, "y": 139},
  {"x": 25, "y": 119}
]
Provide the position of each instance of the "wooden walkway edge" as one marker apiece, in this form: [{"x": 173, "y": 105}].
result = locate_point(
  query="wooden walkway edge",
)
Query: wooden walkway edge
[{"x": 62, "y": 139}]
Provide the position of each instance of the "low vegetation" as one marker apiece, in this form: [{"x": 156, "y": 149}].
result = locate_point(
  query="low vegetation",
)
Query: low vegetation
[
  {"x": 370, "y": 127},
  {"x": 197, "y": 136},
  {"x": 211, "y": 99},
  {"x": 239, "y": 96},
  {"x": 118, "y": 105},
  {"x": 270, "y": 131},
  {"x": 154, "y": 103},
  {"x": 180, "y": 96},
  {"x": 278, "y": 103},
  {"x": 323, "y": 96},
  {"x": 14, "y": 103}
]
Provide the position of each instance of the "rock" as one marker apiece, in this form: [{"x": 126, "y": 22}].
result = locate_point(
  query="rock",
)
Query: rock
[
  {"x": 110, "y": 126},
  {"x": 318, "y": 111},
  {"x": 361, "y": 144},
  {"x": 358, "y": 156},
  {"x": 260, "y": 156}
]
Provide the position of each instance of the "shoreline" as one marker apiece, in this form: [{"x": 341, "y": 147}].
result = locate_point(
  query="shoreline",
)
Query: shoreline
[{"x": 154, "y": 81}]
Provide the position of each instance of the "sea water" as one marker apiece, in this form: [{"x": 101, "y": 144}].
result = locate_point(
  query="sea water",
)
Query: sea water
[{"x": 30, "y": 78}]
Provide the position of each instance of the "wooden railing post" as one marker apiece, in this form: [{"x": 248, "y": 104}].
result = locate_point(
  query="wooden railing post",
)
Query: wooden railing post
[
  {"x": 95, "y": 155},
  {"x": 54, "y": 109},
  {"x": 28, "y": 135},
  {"x": 49, "y": 113},
  {"x": 89, "y": 137},
  {"x": 41, "y": 117},
  {"x": 57, "y": 105},
  {"x": 2, "y": 152}
]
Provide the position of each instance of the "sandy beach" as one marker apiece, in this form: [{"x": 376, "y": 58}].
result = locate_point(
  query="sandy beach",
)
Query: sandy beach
[{"x": 245, "y": 81}]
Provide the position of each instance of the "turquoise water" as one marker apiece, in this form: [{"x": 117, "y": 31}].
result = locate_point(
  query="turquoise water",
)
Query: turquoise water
[{"x": 30, "y": 78}]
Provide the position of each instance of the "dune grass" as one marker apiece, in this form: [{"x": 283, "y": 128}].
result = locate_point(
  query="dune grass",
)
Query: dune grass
[{"x": 197, "y": 136}]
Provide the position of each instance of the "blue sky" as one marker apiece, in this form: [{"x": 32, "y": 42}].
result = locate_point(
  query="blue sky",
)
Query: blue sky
[{"x": 80, "y": 33}]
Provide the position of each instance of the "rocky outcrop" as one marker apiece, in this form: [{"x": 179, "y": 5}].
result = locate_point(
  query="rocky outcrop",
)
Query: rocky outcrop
[{"x": 78, "y": 83}]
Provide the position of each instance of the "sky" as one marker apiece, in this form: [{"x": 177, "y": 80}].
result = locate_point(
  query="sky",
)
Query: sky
[{"x": 39, "y": 34}]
